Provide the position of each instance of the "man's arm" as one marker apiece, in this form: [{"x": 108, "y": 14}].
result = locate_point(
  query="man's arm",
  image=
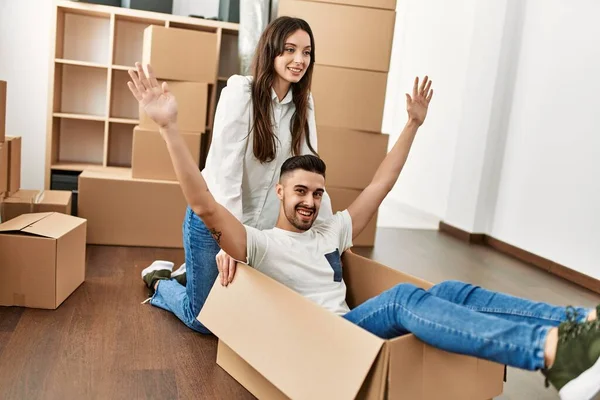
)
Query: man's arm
[
  {"x": 227, "y": 230},
  {"x": 367, "y": 203},
  {"x": 161, "y": 106}
]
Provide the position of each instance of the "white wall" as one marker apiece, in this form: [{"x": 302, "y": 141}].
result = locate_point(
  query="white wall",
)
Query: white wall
[
  {"x": 24, "y": 64},
  {"x": 549, "y": 194},
  {"x": 431, "y": 37}
]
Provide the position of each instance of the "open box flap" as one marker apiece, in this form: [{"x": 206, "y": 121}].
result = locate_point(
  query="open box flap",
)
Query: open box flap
[
  {"x": 303, "y": 349},
  {"x": 21, "y": 222}
]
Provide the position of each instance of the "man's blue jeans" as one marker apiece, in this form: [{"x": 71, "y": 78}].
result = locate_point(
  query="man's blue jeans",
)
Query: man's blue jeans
[
  {"x": 465, "y": 319},
  {"x": 453, "y": 316}
]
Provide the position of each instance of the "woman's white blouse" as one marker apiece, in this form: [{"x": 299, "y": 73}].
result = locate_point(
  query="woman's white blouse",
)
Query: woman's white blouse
[{"x": 237, "y": 180}]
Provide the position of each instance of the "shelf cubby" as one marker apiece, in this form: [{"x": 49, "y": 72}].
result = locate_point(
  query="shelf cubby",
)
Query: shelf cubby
[
  {"x": 80, "y": 90},
  {"x": 83, "y": 35},
  {"x": 129, "y": 39},
  {"x": 122, "y": 102},
  {"x": 77, "y": 142},
  {"x": 120, "y": 140}
]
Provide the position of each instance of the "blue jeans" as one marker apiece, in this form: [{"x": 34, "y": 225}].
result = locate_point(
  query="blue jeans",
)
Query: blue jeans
[
  {"x": 465, "y": 319},
  {"x": 201, "y": 269}
]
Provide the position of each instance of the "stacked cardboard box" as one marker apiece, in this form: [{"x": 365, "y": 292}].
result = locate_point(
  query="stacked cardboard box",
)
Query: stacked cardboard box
[
  {"x": 354, "y": 42},
  {"x": 3, "y": 146},
  {"x": 144, "y": 205}
]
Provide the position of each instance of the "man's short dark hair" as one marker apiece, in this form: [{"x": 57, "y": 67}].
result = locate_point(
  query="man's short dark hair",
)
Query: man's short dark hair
[{"x": 307, "y": 162}]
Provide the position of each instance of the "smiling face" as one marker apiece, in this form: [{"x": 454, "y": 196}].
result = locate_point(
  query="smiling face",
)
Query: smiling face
[
  {"x": 291, "y": 65},
  {"x": 300, "y": 193}
]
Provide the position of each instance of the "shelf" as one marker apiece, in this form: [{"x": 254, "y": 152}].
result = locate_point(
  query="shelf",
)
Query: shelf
[
  {"x": 123, "y": 104},
  {"x": 79, "y": 63},
  {"x": 77, "y": 141},
  {"x": 122, "y": 67},
  {"x": 83, "y": 37},
  {"x": 120, "y": 143},
  {"x": 63, "y": 166},
  {"x": 84, "y": 117},
  {"x": 129, "y": 39},
  {"x": 124, "y": 121},
  {"x": 80, "y": 90}
]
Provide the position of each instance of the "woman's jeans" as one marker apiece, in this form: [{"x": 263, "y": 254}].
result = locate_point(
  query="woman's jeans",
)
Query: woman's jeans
[
  {"x": 201, "y": 270},
  {"x": 452, "y": 316}
]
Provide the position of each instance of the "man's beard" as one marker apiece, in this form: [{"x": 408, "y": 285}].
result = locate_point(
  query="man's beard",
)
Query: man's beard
[{"x": 299, "y": 223}]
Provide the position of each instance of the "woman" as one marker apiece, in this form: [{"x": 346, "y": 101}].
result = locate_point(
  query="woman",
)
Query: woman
[{"x": 260, "y": 121}]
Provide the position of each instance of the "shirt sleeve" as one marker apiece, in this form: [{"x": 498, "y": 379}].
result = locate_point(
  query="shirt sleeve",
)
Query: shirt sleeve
[
  {"x": 326, "y": 210},
  {"x": 345, "y": 230},
  {"x": 257, "y": 244},
  {"x": 225, "y": 160}
]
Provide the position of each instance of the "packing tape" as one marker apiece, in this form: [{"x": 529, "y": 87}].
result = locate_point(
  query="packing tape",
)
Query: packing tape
[
  {"x": 36, "y": 200},
  {"x": 18, "y": 299}
]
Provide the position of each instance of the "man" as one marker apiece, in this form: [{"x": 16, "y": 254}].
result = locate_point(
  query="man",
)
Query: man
[{"x": 453, "y": 316}]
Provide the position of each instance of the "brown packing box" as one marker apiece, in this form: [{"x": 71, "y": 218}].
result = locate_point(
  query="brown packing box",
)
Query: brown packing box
[
  {"x": 192, "y": 98},
  {"x": 347, "y": 36},
  {"x": 354, "y": 164},
  {"x": 150, "y": 158},
  {"x": 42, "y": 257},
  {"x": 181, "y": 54},
  {"x": 340, "y": 200},
  {"x": 2, "y": 110},
  {"x": 386, "y": 4},
  {"x": 124, "y": 211},
  {"x": 14, "y": 163},
  {"x": 349, "y": 98},
  {"x": 288, "y": 343},
  {"x": 36, "y": 201},
  {"x": 3, "y": 168}
]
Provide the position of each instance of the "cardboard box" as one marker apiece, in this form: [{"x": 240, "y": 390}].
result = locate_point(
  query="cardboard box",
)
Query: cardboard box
[
  {"x": 124, "y": 211},
  {"x": 181, "y": 54},
  {"x": 43, "y": 259},
  {"x": 349, "y": 98},
  {"x": 354, "y": 164},
  {"x": 3, "y": 168},
  {"x": 192, "y": 100},
  {"x": 340, "y": 200},
  {"x": 385, "y": 4},
  {"x": 2, "y": 110},
  {"x": 347, "y": 36},
  {"x": 35, "y": 201},
  {"x": 14, "y": 163},
  {"x": 288, "y": 341},
  {"x": 151, "y": 159}
]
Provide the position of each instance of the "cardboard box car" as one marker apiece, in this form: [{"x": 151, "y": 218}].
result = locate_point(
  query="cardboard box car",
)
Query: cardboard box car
[
  {"x": 281, "y": 345},
  {"x": 192, "y": 100},
  {"x": 353, "y": 164},
  {"x": 150, "y": 157},
  {"x": 42, "y": 259},
  {"x": 180, "y": 54},
  {"x": 124, "y": 211},
  {"x": 340, "y": 42},
  {"x": 358, "y": 106},
  {"x": 36, "y": 201}
]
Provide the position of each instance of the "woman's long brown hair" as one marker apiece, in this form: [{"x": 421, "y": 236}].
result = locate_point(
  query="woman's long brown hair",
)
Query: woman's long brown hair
[{"x": 271, "y": 45}]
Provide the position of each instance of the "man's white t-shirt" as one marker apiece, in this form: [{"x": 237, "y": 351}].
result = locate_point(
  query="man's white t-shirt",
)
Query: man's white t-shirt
[{"x": 308, "y": 262}]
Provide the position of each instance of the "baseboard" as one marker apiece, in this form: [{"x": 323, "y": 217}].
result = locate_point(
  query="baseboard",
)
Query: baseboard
[
  {"x": 532, "y": 259},
  {"x": 474, "y": 238}
]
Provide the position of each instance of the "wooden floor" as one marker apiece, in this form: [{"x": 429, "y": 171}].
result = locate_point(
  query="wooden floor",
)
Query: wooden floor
[{"x": 103, "y": 344}]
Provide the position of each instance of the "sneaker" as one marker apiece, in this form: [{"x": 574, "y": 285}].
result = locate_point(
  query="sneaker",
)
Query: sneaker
[
  {"x": 180, "y": 275},
  {"x": 576, "y": 370},
  {"x": 157, "y": 270}
]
